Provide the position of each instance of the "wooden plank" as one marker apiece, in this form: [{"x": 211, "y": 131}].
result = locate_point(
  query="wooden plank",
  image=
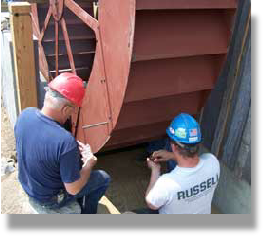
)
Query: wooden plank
[
  {"x": 19, "y": 8},
  {"x": 110, "y": 206},
  {"x": 21, "y": 29}
]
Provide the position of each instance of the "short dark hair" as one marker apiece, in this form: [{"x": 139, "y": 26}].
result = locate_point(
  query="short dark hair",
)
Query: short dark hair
[{"x": 187, "y": 150}]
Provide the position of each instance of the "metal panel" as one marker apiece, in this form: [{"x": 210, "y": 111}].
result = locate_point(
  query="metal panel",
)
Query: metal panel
[
  {"x": 159, "y": 109},
  {"x": 153, "y": 59},
  {"x": 174, "y": 76},
  {"x": 78, "y": 47},
  {"x": 126, "y": 137},
  {"x": 175, "y": 65},
  {"x": 177, "y": 33},
  {"x": 185, "y": 4}
]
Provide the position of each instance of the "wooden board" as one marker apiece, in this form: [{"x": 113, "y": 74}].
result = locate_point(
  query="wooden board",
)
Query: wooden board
[{"x": 21, "y": 28}]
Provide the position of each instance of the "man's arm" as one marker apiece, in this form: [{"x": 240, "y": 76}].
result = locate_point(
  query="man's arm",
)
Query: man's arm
[
  {"x": 89, "y": 162},
  {"x": 75, "y": 187},
  {"x": 162, "y": 155},
  {"x": 155, "y": 173}
]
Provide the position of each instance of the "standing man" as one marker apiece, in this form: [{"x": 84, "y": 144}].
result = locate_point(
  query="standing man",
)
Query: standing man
[
  {"x": 189, "y": 187},
  {"x": 49, "y": 156}
]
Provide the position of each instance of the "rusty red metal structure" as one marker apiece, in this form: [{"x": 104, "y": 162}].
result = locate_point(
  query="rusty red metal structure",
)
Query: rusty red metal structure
[{"x": 144, "y": 60}]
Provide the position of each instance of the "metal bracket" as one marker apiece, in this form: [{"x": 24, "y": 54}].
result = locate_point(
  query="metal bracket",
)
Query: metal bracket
[{"x": 93, "y": 125}]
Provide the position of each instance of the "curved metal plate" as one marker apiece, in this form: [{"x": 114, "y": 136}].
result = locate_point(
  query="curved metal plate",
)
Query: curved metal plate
[{"x": 108, "y": 81}]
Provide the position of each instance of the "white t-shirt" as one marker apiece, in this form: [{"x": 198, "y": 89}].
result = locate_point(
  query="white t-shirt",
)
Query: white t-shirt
[{"x": 187, "y": 190}]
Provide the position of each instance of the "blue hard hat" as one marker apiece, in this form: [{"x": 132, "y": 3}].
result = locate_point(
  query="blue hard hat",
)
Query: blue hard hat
[{"x": 184, "y": 128}]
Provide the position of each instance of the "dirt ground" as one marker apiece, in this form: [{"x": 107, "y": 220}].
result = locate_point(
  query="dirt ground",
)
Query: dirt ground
[{"x": 129, "y": 177}]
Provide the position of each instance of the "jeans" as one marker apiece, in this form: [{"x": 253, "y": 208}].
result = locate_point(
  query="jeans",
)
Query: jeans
[{"x": 88, "y": 197}]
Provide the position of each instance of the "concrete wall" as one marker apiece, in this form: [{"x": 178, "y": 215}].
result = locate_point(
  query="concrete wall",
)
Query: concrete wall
[{"x": 233, "y": 195}]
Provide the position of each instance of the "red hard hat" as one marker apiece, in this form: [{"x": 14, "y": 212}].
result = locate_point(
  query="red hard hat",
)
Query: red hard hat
[{"x": 70, "y": 86}]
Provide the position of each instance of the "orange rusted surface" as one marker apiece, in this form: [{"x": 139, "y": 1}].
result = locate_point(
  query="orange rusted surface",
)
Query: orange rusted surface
[{"x": 144, "y": 61}]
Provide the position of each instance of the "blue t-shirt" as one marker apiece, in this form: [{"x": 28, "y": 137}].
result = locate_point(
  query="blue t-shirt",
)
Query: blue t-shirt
[{"x": 48, "y": 155}]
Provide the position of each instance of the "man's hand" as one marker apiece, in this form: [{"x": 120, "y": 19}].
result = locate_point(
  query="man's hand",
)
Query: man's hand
[
  {"x": 153, "y": 165},
  {"x": 155, "y": 173},
  {"x": 85, "y": 150},
  {"x": 162, "y": 155},
  {"x": 89, "y": 162},
  {"x": 87, "y": 156}
]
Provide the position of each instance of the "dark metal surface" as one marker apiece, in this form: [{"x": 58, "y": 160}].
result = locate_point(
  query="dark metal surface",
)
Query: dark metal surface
[
  {"x": 180, "y": 33},
  {"x": 179, "y": 49},
  {"x": 185, "y": 4},
  {"x": 63, "y": 34}
]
